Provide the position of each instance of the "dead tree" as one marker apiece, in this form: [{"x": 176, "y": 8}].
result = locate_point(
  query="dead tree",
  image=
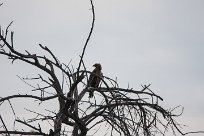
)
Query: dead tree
[{"x": 125, "y": 112}]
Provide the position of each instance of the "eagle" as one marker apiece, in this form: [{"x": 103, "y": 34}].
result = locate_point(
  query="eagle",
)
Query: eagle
[{"x": 95, "y": 78}]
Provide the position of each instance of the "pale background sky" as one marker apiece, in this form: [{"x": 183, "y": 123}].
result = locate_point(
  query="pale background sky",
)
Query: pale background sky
[{"x": 138, "y": 41}]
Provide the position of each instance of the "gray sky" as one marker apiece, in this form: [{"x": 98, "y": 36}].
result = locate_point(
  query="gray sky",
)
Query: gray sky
[{"x": 138, "y": 41}]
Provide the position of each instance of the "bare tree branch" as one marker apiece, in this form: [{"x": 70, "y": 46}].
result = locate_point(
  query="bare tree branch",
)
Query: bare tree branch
[
  {"x": 23, "y": 133},
  {"x": 7, "y": 132},
  {"x": 89, "y": 36},
  {"x": 28, "y": 96}
]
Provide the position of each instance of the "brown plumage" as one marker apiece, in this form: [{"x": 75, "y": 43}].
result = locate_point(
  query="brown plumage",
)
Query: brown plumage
[{"x": 95, "y": 78}]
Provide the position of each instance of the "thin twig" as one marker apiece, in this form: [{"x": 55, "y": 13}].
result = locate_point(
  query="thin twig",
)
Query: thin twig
[
  {"x": 7, "y": 132},
  {"x": 88, "y": 38}
]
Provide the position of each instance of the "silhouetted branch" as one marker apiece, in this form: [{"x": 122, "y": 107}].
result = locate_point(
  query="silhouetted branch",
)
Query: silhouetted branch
[
  {"x": 29, "y": 96},
  {"x": 23, "y": 133},
  {"x": 88, "y": 38},
  {"x": 4, "y": 126},
  {"x": 34, "y": 128}
]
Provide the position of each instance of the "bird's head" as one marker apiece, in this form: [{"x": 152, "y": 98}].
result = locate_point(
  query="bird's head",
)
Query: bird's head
[{"x": 98, "y": 66}]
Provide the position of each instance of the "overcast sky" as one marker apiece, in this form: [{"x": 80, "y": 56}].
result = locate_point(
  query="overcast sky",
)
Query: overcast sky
[{"x": 138, "y": 41}]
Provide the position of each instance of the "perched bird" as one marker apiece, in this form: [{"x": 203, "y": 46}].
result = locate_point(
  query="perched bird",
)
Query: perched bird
[{"x": 95, "y": 78}]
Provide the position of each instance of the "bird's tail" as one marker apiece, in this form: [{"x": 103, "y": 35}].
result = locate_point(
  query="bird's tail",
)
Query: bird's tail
[{"x": 91, "y": 93}]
